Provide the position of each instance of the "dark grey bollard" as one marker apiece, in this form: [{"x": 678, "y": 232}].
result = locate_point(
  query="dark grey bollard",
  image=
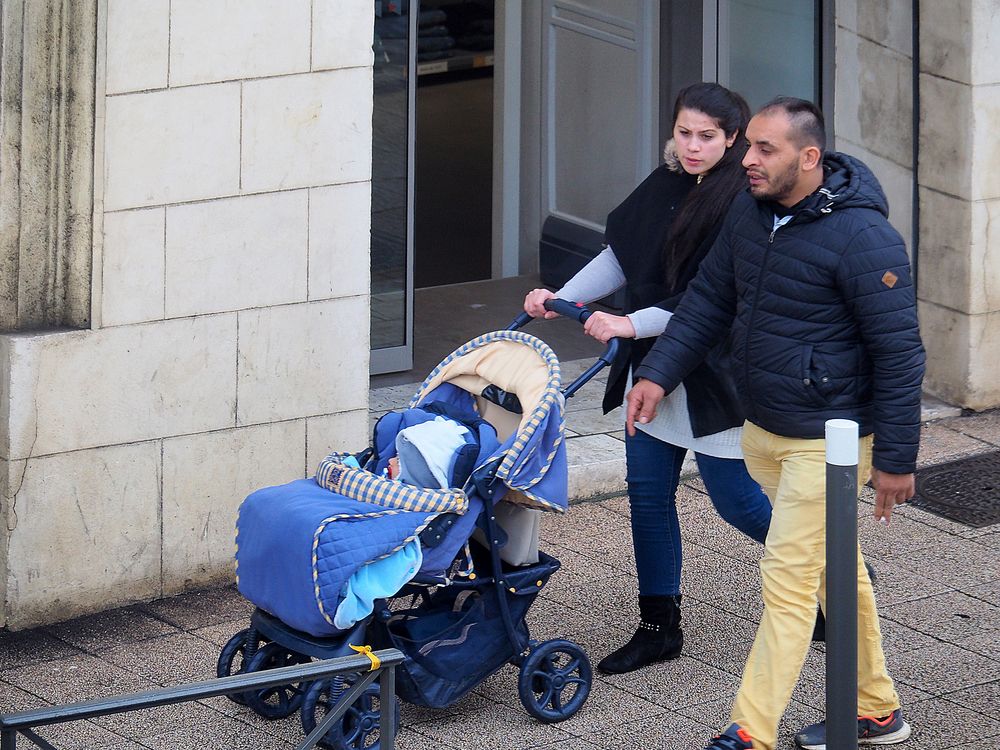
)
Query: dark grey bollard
[{"x": 841, "y": 584}]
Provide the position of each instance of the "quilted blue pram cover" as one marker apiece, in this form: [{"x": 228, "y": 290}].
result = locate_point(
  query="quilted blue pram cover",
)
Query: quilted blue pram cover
[{"x": 298, "y": 543}]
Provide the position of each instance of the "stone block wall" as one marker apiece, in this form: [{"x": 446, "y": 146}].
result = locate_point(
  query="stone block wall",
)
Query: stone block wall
[
  {"x": 873, "y": 107},
  {"x": 230, "y": 302},
  {"x": 959, "y": 182},
  {"x": 959, "y": 176}
]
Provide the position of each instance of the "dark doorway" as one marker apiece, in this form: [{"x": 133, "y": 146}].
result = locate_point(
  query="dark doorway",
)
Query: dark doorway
[{"x": 453, "y": 191}]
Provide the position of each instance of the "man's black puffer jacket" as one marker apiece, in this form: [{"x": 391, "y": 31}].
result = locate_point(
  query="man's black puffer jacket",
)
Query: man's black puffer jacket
[{"x": 823, "y": 317}]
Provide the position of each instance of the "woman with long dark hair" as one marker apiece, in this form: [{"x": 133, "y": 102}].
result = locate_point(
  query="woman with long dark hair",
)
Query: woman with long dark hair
[{"x": 655, "y": 241}]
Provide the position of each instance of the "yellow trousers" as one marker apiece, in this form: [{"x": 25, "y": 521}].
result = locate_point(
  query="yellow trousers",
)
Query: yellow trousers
[{"x": 793, "y": 575}]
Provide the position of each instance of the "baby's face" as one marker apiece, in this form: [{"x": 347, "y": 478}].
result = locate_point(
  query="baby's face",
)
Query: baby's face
[{"x": 393, "y": 467}]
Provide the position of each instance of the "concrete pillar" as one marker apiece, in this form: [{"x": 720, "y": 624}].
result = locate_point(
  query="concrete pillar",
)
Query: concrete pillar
[
  {"x": 873, "y": 109},
  {"x": 959, "y": 177},
  {"x": 47, "y": 94}
]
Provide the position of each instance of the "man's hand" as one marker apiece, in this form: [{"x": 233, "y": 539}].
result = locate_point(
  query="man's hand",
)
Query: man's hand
[
  {"x": 534, "y": 303},
  {"x": 642, "y": 401},
  {"x": 605, "y": 326},
  {"x": 891, "y": 490}
]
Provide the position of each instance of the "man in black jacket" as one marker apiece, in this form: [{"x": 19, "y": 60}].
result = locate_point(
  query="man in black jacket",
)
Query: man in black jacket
[{"x": 815, "y": 287}]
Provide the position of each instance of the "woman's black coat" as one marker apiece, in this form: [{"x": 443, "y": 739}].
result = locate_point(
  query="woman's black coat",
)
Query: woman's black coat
[{"x": 637, "y": 231}]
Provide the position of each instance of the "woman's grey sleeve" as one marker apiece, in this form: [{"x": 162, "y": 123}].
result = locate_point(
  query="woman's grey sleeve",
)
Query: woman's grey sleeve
[
  {"x": 603, "y": 276},
  {"x": 596, "y": 280},
  {"x": 649, "y": 321}
]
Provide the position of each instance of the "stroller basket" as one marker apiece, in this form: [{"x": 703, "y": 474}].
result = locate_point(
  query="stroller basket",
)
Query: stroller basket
[{"x": 456, "y": 637}]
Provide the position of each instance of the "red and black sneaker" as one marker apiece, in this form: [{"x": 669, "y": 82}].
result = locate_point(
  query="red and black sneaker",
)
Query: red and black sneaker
[
  {"x": 872, "y": 730},
  {"x": 734, "y": 738}
]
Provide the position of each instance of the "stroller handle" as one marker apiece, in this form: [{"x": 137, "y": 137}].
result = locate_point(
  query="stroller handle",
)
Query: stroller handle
[{"x": 578, "y": 312}]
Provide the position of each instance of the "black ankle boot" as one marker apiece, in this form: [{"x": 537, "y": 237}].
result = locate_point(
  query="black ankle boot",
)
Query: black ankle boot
[
  {"x": 658, "y": 638},
  {"x": 819, "y": 629}
]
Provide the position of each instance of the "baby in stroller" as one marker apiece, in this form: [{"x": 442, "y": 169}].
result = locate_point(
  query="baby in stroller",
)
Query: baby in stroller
[{"x": 426, "y": 541}]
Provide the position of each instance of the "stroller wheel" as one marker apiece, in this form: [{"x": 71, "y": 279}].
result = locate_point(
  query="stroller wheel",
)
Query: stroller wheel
[
  {"x": 278, "y": 701},
  {"x": 235, "y": 656},
  {"x": 358, "y": 727},
  {"x": 555, "y": 680}
]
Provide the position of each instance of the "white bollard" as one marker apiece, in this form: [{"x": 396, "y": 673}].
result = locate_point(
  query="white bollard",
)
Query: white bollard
[{"x": 841, "y": 442}]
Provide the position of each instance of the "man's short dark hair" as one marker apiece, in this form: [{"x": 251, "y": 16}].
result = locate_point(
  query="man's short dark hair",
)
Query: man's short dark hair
[{"x": 808, "y": 125}]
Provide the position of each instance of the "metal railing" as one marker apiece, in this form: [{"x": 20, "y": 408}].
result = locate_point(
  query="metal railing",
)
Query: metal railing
[{"x": 24, "y": 722}]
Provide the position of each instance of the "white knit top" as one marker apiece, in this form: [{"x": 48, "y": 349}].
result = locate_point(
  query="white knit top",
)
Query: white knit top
[{"x": 672, "y": 423}]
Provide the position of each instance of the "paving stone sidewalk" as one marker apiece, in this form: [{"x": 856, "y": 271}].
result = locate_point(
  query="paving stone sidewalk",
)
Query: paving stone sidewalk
[{"x": 937, "y": 589}]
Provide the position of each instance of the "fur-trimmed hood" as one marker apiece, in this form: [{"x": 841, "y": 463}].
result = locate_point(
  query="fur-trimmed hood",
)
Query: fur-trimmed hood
[{"x": 670, "y": 157}]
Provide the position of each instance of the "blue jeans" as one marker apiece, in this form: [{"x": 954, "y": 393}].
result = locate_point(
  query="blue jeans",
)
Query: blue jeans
[{"x": 654, "y": 470}]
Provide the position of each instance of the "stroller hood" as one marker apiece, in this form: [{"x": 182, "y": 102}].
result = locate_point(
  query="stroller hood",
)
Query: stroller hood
[{"x": 531, "y": 460}]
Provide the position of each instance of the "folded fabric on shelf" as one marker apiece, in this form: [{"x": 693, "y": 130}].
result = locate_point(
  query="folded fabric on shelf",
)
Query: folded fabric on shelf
[
  {"x": 398, "y": 27},
  {"x": 431, "y": 56},
  {"x": 434, "y": 43},
  {"x": 429, "y": 31}
]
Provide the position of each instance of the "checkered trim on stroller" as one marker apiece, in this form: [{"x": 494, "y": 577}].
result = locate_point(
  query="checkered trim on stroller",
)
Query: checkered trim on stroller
[{"x": 366, "y": 487}]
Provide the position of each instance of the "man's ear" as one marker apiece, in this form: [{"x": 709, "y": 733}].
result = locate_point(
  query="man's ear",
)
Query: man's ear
[{"x": 810, "y": 158}]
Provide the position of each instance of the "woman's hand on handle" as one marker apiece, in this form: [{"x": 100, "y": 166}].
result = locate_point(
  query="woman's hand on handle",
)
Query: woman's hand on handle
[
  {"x": 534, "y": 301},
  {"x": 605, "y": 326}
]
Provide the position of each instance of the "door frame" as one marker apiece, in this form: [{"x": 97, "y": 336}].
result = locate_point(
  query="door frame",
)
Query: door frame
[
  {"x": 400, "y": 358},
  {"x": 508, "y": 17}
]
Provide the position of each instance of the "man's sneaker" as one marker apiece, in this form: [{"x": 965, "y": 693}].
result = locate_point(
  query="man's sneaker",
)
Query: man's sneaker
[
  {"x": 734, "y": 738},
  {"x": 889, "y": 730}
]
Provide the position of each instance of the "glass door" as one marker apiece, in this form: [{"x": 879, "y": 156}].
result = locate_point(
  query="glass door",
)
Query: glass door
[
  {"x": 766, "y": 48},
  {"x": 392, "y": 187}
]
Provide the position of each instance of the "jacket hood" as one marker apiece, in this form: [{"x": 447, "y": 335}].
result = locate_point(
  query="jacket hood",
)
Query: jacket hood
[
  {"x": 848, "y": 184},
  {"x": 670, "y": 158}
]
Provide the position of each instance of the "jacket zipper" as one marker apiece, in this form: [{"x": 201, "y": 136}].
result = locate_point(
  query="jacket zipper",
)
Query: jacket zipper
[
  {"x": 746, "y": 344},
  {"x": 753, "y": 314},
  {"x": 778, "y": 225}
]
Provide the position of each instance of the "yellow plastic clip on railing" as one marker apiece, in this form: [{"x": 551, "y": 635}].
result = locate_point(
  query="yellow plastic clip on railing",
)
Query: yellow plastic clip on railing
[{"x": 367, "y": 651}]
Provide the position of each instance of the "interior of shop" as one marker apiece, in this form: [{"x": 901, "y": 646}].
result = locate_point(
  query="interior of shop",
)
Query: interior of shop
[
  {"x": 450, "y": 121},
  {"x": 452, "y": 231}
]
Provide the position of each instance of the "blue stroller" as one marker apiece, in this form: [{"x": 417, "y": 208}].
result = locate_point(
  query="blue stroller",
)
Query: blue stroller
[{"x": 426, "y": 541}]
